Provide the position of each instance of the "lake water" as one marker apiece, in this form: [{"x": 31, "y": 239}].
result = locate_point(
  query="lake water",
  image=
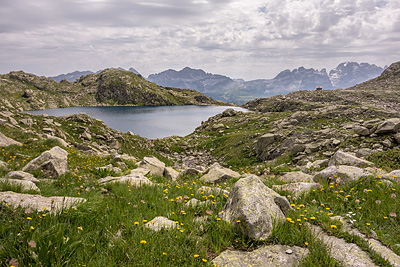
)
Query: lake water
[{"x": 149, "y": 121}]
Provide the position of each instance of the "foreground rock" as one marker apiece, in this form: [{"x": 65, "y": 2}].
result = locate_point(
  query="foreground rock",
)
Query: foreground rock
[
  {"x": 154, "y": 165},
  {"x": 37, "y": 202},
  {"x": 20, "y": 175},
  {"x": 170, "y": 173},
  {"x": 252, "y": 207},
  {"x": 159, "y": 223},
  {"x": 346, "y": 174},
  {"x": 342, "y": 158},
  {"x": 271, "y": 256},
  {"x": 217, "y": 174},
  {"x": 349, "y": 254},
  {"x": 53, "y": 162},
  {"x": 25, "y": 186},
  {"x": 6, "y": 141},
  {"x": 134, "y": 180}
]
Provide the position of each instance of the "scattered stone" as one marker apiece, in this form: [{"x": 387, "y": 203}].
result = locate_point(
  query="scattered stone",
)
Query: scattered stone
[
  {"x": 397, "y": 137},
  {"x": 207, "y": 190},
  {"x": 60, "y": 140},
  {"x": 20, "y": 175},
  {"x": 251, "y": 207},
  {"x": 388, "y": 126},
  {"x": 139, "y": 171},
  {"x": 297, "y": 188},
  {"x": 230, "y": 112},
  {"x": 170, "y": 173},
  {"x": 294, "y": 177},
  {"x": 3, "y": 165},
  {"x": 109, "y": 167},
  {"x": 154, "y": 165},
  {"x": 394, "y": 176},
  {"x": 53, "y": 162},
  {"x": 86, "y": 136},
  {"x": 360, "y": 130},
  {"x": 25, "y": 185},
  {"x": 217, "y": 174},
  {"x": 37, "y": 202},
  {"x": 273, "y": 255},
  {"x": 28, "y": 121},
  {"x": 387, "y": 143},
  {"x": 342, "y": 158},
  {"x": 345, "y": 173},
  {"x": 348, "y": 254},
  {"x": 49, "y": 130},
  {"x": 136, "y": 181},
  {"x": 364, "y": 152},
  {"x": 159, "y": 223},
  {"x": 191, "y": 171},
  {"x": 6, "y": 141},
  {"x": 122, "y": 165}
]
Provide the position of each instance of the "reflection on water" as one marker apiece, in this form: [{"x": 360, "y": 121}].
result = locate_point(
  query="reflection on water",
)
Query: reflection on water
[{"x": 150, "y": 122}]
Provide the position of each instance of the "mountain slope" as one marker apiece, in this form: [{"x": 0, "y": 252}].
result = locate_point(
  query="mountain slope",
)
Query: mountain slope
[{"x": 24, "y": 91}]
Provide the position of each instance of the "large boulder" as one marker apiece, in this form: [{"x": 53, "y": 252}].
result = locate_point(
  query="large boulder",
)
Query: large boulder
[
  {"x": 388, "y": 126},
  {"x": 53, "y": 162},
  {"x": 346, "y": 174},
  {"x": 170, "y": 173},
  {"x": 133, "y": 180},
  {"x": 217, "y": 174},
  {"x": 154, "y": 165},
  {"x": 37, "y": 202},
  {"x": 252, "y": 208},
  {"x": 24, "y": 185},
  {"x": 342, "y": 158},
  {"x": 296, "y": 177},
  {"x": 271, "y": 256},
  {"x": 361, "y": 130},
  {"x": 6, "y": 141}
]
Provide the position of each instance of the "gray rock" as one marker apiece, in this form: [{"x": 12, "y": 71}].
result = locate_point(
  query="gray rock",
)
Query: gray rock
[
  {"x": 86, "y": 135},
  {"x": 394, "y": 176},
  {"x": 271, "y": 256},
  {"x": 360, "y": 130},
  {"x": 207, "y": 190},
  {"x": 170, "y": 173},
  {"x": 297, "y": 189},
  {"x": 109, "y": 167},
  {"x": 53, "y": 162},
  {"x": 60, "y": 140},
  {"x": 20, "y": 175},
  {"x": 251, "y": 207},
  {"x": 342, "y": 158},
  {"x": 312, "y": 148},
  {"x": 49, "y": 130},
  {"x": 159, "y": 223},
  {"x": 217, "y": 174},
  {"x": 6, "y": 141},
  {"x": 345, "y": 173},
  {"x": 3, "y": 165},
  {"x": 194, "y": 202},
  {"x": 397, "y": 137},
  {"x": 364, "y": 152},
  {"x": 28, "y": 121},
  {"x": 388, "y": 126},
  {"x": 154, "y": 165},
  {"x": 136, "y": 181},
  {"x": 387, "y": 143},
  {"x": 13, "y": 121},
  {"x": 139, "y": 171},
  {"x": 348, "y": 254},
  {"x": 297, "y": 148},
  {"x": 294, "y": 177},
  {"x": 37, "y": 202},
  {"x": 191, "y": 171},
  {"x": 230, "y": 112},
  {"x": 25, "y": 185}
]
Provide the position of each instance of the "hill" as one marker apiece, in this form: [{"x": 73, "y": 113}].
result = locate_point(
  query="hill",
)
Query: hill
[{"x": 26, "y": 91}]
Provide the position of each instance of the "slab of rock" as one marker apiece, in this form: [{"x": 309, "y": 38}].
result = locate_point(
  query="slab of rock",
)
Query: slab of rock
[
  {"x": 217, "y": 174},
  {"x": 348, "y": 254},
  {"x": 37, "y": 202},
  {"x": 252, "y": 207},
  {"x": 297, "y": 188},
  {"x": 139, "y": 171},
  {"x": 271, "y": 256},
  {"x": 159, "y": 223},
  {"x": 360, "y": 130},
  {"x": 20, "y": 175},
  {"x": 136, "y": 181},
  {"x": 191, "y": 171},
  {"x": 346, "y": 174},
  {"x": 154, "y": 165},
  {"x": 397, "y": 137},
  {"x": 388, "y": 126},
  {"x": 53, "y": 162},
  {"x": 170, "y": 173},
  {"x": 342, "y": 158},
  {"x": 25, "y": 185},
  {"x": 364, "y": 152},
  {"x": 295, "y": 177},
  {"x": 6, "y": 141}
]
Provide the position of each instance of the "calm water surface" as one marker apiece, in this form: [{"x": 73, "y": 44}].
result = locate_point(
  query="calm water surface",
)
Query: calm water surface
[{"x": 149, "y": 122}]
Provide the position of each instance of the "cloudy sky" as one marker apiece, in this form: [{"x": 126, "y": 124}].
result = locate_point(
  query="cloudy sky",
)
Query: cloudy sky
[{"x": 246, "y": 39}]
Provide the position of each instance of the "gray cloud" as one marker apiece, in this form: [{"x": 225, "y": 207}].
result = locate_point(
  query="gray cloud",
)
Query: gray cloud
[{"x": 232, "y": 37}]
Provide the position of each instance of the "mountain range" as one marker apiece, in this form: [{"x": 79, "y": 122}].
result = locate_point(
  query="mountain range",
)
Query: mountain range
[{"x": 238, "y": 91}]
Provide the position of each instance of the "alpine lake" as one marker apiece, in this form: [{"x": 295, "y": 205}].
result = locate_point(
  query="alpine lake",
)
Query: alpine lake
[{"x": 146, "y": 121}]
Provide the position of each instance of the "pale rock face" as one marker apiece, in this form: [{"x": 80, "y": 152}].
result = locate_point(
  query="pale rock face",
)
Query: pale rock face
[
  {"x": 171, "y": 173},
  {"x": 342, "y": 158},
  {"x": 217, "y": 174},
  {"x": 345, "y": 173},
  {"x": 53, "y": 162},
  {"x": 154, "y": 165},
  {"x": 20, "y": 175},
  {"x": 273, "y": 255},
  {"x": 159, "y": 223},
  {"x": 25, "y": 185},
  {"x": 388, "y": 126},
  {"x": 295, "y": 177},
  {"x": 6, "y": 141},
  {"x": 253, "y": 207}
]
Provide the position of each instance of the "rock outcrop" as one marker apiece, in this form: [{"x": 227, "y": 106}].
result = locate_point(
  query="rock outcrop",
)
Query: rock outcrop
[
  {"x": 217, "y": 174},
  {"x": 53, "y": 162}
]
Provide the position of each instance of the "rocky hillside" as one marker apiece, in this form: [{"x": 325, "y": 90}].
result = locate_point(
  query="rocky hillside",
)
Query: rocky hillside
[{"x": 24, "y": 91}]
